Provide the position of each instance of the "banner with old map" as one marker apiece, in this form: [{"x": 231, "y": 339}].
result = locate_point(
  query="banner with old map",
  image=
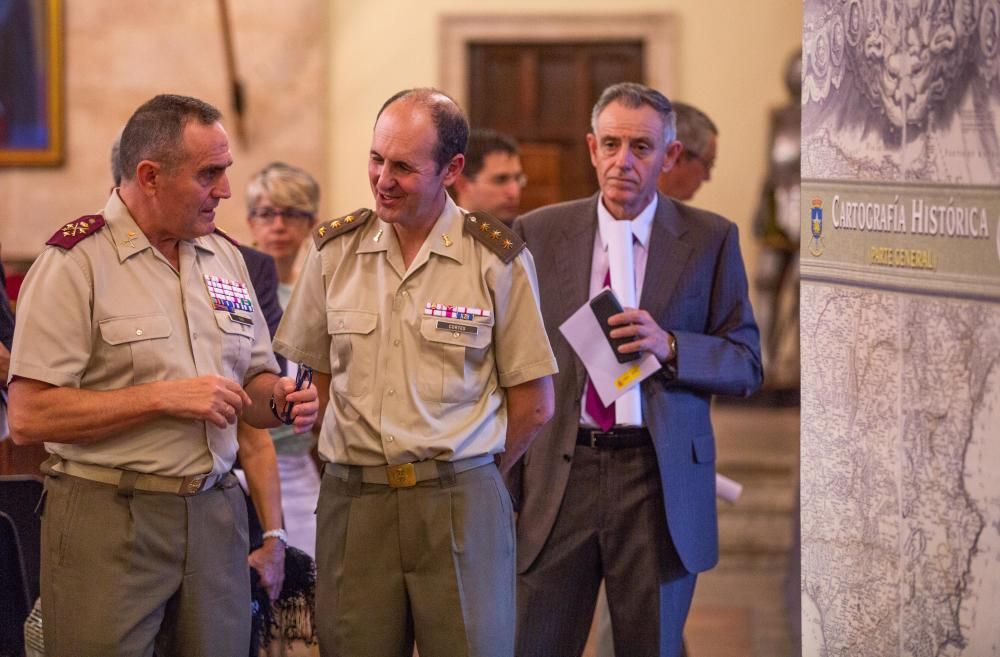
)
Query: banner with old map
[{"x": 900, "y": 316}]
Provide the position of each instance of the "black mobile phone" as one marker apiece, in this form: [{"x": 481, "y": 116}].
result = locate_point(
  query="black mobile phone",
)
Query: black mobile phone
[{"x": 604, "y": 306}]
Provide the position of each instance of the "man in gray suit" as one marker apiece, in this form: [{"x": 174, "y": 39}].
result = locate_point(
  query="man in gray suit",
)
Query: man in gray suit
[{"x": 631, "y": 503}]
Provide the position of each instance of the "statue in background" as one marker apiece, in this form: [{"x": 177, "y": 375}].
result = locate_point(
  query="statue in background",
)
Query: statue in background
[{"x": 776, "y": 224}]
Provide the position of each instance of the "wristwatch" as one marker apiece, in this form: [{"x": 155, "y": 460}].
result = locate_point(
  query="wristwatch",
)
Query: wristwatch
[
  {"x": 672, "y": 341},
  {"x": 279, "y": 534}
]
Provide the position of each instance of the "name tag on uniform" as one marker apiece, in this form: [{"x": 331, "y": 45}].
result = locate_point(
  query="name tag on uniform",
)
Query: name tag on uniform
[
  {"x": 459, "y": 328},
  {"x": 239, "y": 319}
]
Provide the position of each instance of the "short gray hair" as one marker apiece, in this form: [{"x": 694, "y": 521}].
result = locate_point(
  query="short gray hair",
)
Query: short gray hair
[
  {"x": 156, "y": 131},
  {"x": 286, "y": 187},
  {"x": 634, "y": 95},
  {"x": 694, "y": 128}
]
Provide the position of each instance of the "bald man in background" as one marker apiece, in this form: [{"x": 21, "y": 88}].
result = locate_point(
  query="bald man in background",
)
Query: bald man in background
[{"x": 699, "y": 137}]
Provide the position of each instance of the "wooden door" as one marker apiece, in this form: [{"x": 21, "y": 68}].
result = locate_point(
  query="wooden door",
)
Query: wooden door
[{"x": 542, "y": 94}]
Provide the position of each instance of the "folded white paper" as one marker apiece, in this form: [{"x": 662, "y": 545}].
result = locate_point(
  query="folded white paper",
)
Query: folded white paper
[
  {"x": 727, "y": 489},
  {"x": 611, "y": 379}
]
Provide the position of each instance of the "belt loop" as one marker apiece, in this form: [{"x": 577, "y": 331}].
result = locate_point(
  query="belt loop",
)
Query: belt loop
[
  {"x": 446, "y": 474},
  {"x": 47, "y": 467},
  {"x": 126, "y": 485},
  {"x": 354, "y": 480}
]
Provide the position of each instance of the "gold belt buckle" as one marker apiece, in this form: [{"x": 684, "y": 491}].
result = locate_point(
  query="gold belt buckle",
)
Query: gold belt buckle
[
  {"x": 193, "y": 485},
  {"x": 401, "y": 476}
]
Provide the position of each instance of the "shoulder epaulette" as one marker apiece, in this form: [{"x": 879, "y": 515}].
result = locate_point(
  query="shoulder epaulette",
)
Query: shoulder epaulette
[
  {"x": 76, "y": 231},
  {"x": 330, "y": 229},
  {"x": 495, "y": 234},
  {"x": 226, "y": 236}
]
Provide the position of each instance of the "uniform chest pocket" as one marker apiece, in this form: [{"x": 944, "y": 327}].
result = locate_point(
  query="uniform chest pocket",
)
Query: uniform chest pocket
[
  {"x": 353, "y": 346},
  {"x": 237, "y": 345},
  {"x": 455, "y": 363},
  {"x": 138, "y": 341}
]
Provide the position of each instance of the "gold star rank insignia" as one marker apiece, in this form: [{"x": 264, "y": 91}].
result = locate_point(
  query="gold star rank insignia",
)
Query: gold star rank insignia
[
  {"x": 340, "y": 226},
  {"x": 495, "y": 235},
  {"x": 76, "y": 231},
  {"x": 75, "y": 228}
]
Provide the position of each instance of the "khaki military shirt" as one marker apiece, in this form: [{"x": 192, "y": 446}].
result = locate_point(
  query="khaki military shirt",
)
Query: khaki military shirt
[
  {"x": 111, "y": 312},
  {"x": 407, "y": 385}
]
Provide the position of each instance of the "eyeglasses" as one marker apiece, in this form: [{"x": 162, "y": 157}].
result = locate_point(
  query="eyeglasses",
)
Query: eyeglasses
[
  {"x": 708, "y": 164},
  {"x": 303, "y": 378},
  {"x": 265, "y": 216},
  {"x": 504, "y": 179}
]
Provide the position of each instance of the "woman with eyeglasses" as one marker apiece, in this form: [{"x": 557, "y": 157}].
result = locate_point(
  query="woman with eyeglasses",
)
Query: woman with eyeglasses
[{"x": 282, "y": 202}]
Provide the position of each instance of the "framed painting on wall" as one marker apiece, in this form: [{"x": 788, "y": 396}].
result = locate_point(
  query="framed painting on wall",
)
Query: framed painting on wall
[{"x": 31, "y": 101}]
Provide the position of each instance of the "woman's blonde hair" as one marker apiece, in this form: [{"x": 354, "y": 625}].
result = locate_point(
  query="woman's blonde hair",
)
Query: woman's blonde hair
[{"x": 286, "y": 186}]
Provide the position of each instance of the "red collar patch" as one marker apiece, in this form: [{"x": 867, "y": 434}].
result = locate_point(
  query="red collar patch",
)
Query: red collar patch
[
  {"x": 226, "y": 236},
  {"x": 76, "y": 231}
]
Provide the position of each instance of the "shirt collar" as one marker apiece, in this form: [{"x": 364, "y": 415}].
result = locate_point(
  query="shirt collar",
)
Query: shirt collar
[
  {"x": 128, "y": 239},
  {"x": 642, "y": 225},
  {"x": 449, "y": 223},
  {"x": 446, "y": 236}
]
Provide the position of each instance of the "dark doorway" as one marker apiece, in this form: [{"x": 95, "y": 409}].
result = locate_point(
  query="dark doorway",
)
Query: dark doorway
[{"x": 542, "y": 93}]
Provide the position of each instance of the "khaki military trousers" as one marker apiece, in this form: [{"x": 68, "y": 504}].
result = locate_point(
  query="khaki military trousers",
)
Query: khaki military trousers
[
  {"x": 122, "y": 574},
  {"x": 433, "y": 564}
]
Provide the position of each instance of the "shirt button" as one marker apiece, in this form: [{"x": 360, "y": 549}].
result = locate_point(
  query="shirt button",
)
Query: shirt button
[
  {"x": 390, "y": 438},
  {"x": 138, "y": 332},
  {"x": 391, "y": 392},
  {"x": 395, "y": 343},
  {"x": 405, "y": 293},
  {"x": 340, "y": 324},
  {"x": 455, "y": 334},
  {"x": 194, "y": 335}
]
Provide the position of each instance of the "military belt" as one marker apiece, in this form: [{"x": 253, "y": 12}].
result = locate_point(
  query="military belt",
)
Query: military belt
[
  {"x": 150, "y": 483},
  {"x": 405, "y": 475}
]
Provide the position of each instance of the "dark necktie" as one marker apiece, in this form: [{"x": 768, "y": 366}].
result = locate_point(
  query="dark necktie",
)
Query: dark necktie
[{"x": 603, "y": 415}]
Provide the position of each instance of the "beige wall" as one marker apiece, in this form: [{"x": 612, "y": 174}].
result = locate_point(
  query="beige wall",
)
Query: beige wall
[
  {"x": 119, "y": 54},
  {"x": 348, "y": 57},
  {"x": 731, "y": 57}
]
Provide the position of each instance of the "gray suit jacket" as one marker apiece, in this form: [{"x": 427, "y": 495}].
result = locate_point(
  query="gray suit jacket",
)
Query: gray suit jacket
[{"x": 696, "y": 287}]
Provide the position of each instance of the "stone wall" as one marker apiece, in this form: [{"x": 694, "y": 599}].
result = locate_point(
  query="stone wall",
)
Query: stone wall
[{"x": 118, "y": 54}]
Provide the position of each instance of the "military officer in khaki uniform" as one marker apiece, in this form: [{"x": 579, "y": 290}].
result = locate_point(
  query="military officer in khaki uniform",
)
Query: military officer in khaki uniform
[
  {"x": 138, "y": 345},
  {"x": 423, "y": 326}
]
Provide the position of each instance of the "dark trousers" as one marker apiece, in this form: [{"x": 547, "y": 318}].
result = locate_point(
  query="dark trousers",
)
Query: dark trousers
[{"x": 611, "y": 525}]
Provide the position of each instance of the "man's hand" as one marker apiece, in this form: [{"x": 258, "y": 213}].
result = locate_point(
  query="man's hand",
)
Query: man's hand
[
  {"x": 269, "y": 562},
  {"x": 646, "y": 333},
  {"x": 211, "y": 398},
  {"x": 306, "y": 408}
]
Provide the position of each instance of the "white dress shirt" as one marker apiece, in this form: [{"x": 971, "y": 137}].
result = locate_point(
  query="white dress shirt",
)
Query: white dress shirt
[{"x": 642, "y": 227}]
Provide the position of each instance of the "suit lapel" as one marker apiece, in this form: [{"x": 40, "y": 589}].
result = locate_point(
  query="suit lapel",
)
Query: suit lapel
[
  {"x": 577, "y": 235},
  {"x": 668, "y": 256}
]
